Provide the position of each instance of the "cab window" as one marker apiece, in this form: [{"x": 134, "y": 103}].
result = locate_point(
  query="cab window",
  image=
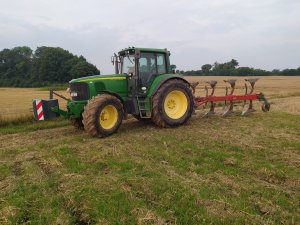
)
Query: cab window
[
  {"x": 161, "y": 64},
  {"x": 151, "y": 64},
  {"x": 128, "y": 65}
]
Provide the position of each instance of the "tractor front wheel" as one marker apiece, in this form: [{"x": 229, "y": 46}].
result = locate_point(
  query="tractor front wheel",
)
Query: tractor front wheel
[
  {"x": 173, "y": 104},
  {"x": 103, "y": 115}
]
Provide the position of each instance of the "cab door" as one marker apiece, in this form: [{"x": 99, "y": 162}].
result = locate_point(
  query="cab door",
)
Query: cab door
[
  {"x": 150, "y": 65},
  {"x": 129, "y": 67}
]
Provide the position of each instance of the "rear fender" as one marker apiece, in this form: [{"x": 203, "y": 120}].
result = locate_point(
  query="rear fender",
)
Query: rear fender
[{"x": 160, "y": 80}]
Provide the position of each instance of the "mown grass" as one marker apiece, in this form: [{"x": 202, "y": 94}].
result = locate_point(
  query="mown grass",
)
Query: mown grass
[
  {"x": 29, "y": 124},
  {"x": 235, "y": 170},
  {"x": 15, "y": 121}
]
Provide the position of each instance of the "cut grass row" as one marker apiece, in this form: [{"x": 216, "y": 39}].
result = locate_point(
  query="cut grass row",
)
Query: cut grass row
[
  {"x": 28, "y": 124},
  {"x": 16, "y": 120}
]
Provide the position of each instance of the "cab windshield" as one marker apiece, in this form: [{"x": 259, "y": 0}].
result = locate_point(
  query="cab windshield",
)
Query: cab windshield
[{"x": 128, "y": 64}]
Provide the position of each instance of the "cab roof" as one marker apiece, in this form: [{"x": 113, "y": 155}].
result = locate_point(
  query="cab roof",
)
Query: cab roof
[{"x": 163, "y": 50}]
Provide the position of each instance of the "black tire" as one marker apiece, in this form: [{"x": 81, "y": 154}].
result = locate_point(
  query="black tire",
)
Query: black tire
[
  {"x": 159, "y": 115},
  {"x": 265, "y": 107},
  {"x": 94, "y": 110},
  {"x": 77, "y": 123}
]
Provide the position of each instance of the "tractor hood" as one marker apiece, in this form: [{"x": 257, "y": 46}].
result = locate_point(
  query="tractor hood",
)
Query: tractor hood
[
  {"x": 85, "y": 88},
  {"x": 99, "y": 78}
]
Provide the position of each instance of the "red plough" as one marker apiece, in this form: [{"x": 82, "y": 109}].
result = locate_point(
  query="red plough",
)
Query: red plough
[{"x": 229, "y": 98}]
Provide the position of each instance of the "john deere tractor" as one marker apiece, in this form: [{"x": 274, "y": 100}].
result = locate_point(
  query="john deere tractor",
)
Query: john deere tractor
[{"x": 144, "y": 85}]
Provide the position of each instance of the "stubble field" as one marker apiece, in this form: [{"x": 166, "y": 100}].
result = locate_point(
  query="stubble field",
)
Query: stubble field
[
  {"x": 284, "y": 93},
  {"x": 233, "y": 170},
  {"x": 16, "y": 103}
]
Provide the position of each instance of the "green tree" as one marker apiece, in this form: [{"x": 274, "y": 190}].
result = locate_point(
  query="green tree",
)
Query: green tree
[
  {"x": 59, "y": 65},
  {"x": 49, "y": 64},
  {"x": 244, "y": 71},
  {"x": 206, "y": 68},
  {"x": 233, "y": 64},
  {"x": 15, "y": 65},
  {"x": 275, "y": 71},
  {"x": 225, "y": 69},
  {"x": 83, "y": 67},
  {"x": 20, "y": 67}
]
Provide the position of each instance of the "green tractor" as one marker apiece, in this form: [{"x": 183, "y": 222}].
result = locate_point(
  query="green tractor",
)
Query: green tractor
[{"x": 144, "y": 85}]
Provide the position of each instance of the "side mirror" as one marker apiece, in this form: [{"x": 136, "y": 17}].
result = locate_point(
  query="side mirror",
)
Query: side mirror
[{"x": 173, "y": 68}]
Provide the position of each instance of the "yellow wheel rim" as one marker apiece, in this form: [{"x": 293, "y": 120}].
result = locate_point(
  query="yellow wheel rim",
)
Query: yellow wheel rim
[
  {"x": 108, "y": 117},
  {"x": 175, "y": 104}
]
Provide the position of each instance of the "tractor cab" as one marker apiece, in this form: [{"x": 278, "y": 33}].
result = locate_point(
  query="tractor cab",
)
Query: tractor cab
[{"x": 142, "y": 66}]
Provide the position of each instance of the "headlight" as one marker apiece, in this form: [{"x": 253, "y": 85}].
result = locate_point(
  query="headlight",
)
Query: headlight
[{"x": 74, "y": 94}]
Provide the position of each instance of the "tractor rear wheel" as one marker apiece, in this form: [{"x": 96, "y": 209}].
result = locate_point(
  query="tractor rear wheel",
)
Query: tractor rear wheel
[
  {"x": 173, "y": 104},
  {"x": 103, "y": 115}
]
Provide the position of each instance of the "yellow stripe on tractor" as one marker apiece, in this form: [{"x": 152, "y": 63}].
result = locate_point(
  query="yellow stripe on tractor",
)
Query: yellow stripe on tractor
[{"x": 104, "y": 78}]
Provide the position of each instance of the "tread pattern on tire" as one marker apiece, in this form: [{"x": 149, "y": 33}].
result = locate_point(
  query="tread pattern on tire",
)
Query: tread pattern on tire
[
  {"x": 158, "y": 114},
  {"x": 90, "y": 117}
]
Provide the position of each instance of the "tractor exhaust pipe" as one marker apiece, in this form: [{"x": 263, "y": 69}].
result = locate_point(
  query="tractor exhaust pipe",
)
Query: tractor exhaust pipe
[{"x": 116, "y": 62}]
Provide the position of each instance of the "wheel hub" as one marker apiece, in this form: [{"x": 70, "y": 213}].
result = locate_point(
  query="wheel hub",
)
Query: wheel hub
[
  {"x": 108, "y": 117},
  {"x": 176, "y": 104},
  {"x": 104, "y": 115},
  {"x": 171, "y": 104}
]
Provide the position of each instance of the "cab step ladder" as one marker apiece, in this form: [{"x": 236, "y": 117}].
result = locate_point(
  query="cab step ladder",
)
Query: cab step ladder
[{"x": 144, "y": 110}]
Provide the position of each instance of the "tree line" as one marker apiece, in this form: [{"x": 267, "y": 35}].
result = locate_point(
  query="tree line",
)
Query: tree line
[
  {"x": 231, "y": 69},
  {"x": 21, "y": 67}
]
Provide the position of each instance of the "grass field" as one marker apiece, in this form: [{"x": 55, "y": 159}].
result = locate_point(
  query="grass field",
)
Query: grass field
[{"x": 234, "y": 170}]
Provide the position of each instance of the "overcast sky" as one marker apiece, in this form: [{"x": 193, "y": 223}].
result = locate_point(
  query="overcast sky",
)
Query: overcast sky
[{"x": 258, "y": 33}]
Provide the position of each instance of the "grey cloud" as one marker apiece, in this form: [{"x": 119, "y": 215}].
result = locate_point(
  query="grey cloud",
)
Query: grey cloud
[{"x": 262, "y": 34}]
